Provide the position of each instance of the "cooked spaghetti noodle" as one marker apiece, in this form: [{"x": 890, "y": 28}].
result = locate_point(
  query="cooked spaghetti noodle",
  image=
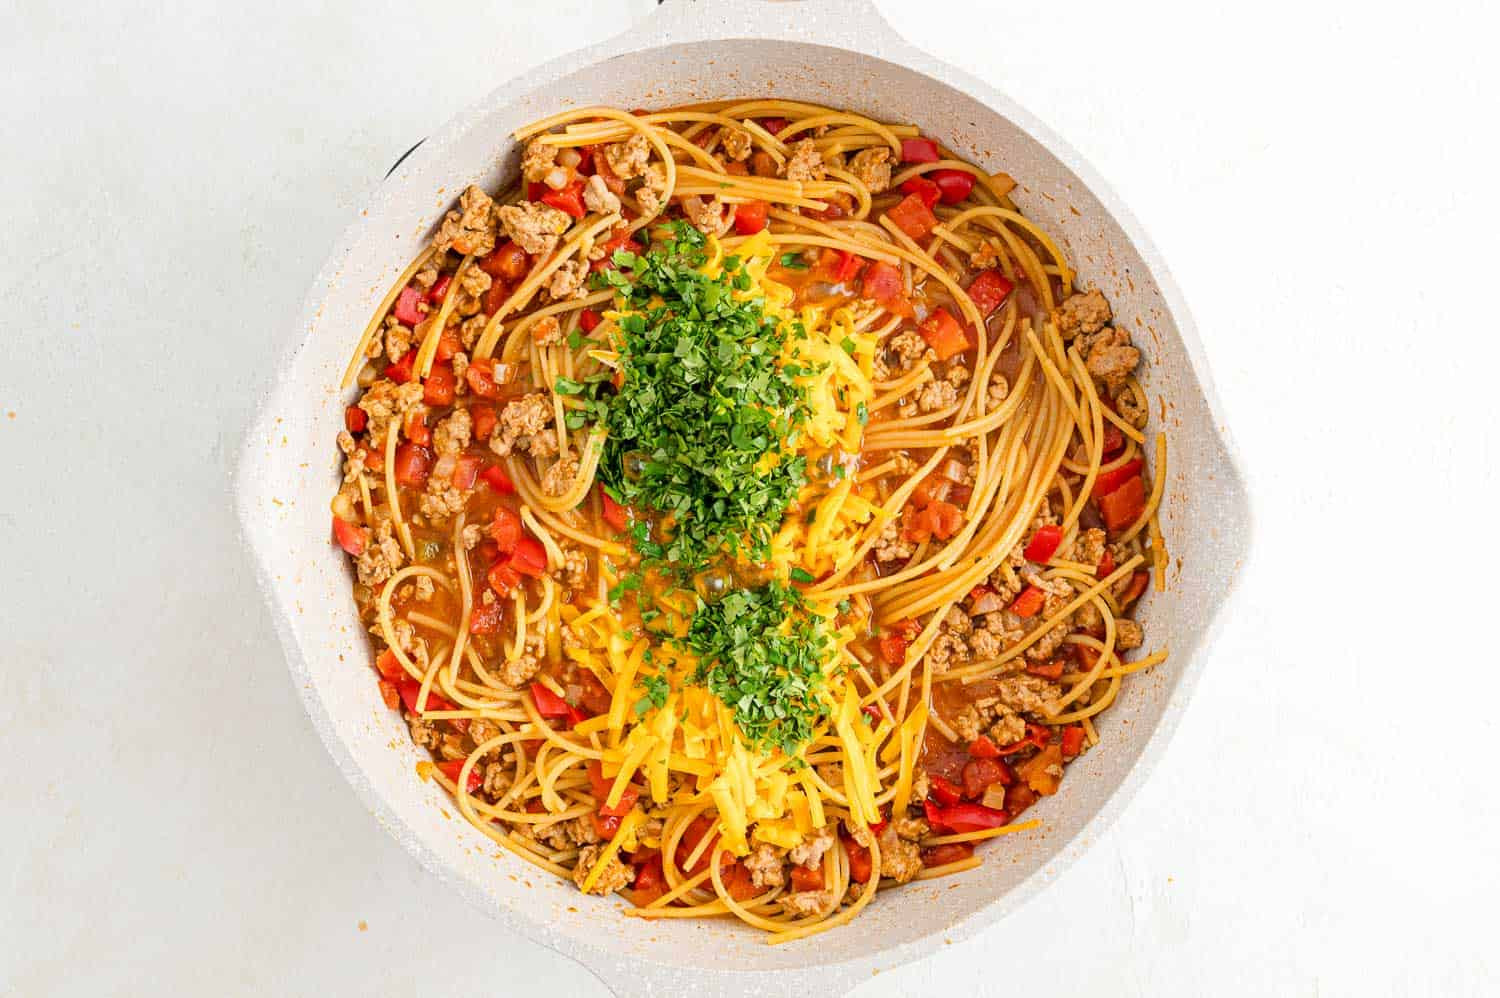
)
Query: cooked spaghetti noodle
[{"x": 747, "y": 509}]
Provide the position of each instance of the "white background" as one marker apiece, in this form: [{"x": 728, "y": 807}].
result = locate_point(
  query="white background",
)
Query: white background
[{"x": 1321, "y": 178}]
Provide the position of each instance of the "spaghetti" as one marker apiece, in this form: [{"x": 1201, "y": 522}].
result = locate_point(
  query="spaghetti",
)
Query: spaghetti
[{"x": 747, "y": 509}]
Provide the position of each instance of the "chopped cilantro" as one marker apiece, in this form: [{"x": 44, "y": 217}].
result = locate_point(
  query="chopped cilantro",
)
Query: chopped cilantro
[
  {"x": 801, "y": 575},
  {"x": 657, "y": 689},
  {"x": 793, "y": 261},
  {"x": 848, "y": 344}
]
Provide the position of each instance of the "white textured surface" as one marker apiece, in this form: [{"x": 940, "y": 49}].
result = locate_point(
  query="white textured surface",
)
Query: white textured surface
[{"x": 171, "y": 819}]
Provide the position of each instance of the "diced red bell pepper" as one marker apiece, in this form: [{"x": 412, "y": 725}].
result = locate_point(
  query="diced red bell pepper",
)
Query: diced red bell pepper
[
  {"x": 924, "y": 189},
  {"x": 860, "y": 867},
  {"x": 893, "y": 649},
  {"x": 944, "y": 334},
  {"x": 948, "y": 852},
  {"x": 944, "y": 790},
  {"x": 1029, "y": 602},
  {"x": 453, "y": 768},
  {"x": 704, "y": 824},
  {"x": 983, "y": 747},
  {"x": 495, "y": 477},
  {"x": 1108, "y": 481},
  {"x": 466, "y": 472},
  {"x": 988, "y": 290},
  {"x": 569, "y": 200},
  {"x": 838, "y": 266},
  {"x": 980, "y": 773},
  {"x": 1018, "y": 798},
  {"x": 883, "y": 284},
  {"x": 1124, "y": 505},
  {"x": 605, "y": 826},
  {"x": 484, "y": 419},
  {"x": 1072, "y": 740},
  {"x": 549, "y": 704},
  {"x": 585, "y": 160},
  {"x": 506, "y": 530},
  {"x": 448, "y": 344},
  {"x": 750, "y": 217},
  {"x": 913, "y": 217},
  {"x": 588, "y": 320},
  {"x": 650, "y": 882},
  {"x": 919, "y": 150},
  {"x": 1106, "y": 565},
  {"x": 944, "y": 519},
  {"x": 389, "y": 695},
  {"x": 1114, "y": 440},
  {"x": 413, "y": 463},
  {"x": 487, "y": 618},
  {"x": 1036, "y": 734},
  {"x": 408, "y": 312},
  {"x": 955, "y": 185},
  {"x": 1044, "y": 543},
  {"x": 410, "y": 690},
  {"x": 600, "y": 785},
  {"x": 503, "y": 579},
  {"x": 593, "y": 698},
  {"x": 773, "y": 125},
  {"x": 355, "y": 419},
  {"x": 441, "y": 386},
  {"x": 401, "y": 371},
  {"x": 908, "y": 629},
  {"x": 481, "y": 378},
  {"x": 350, "y": 536},
  {"x": 530, "y": 558},
  {"x": 439, "y": 289},
  {"x": 965, "y": 817},
  {"x": 739, "y": 883},
  {"x": 1138, "y": 583},
  {"x": 389, "y": 666},
  {"x": 614, "y": 514}
]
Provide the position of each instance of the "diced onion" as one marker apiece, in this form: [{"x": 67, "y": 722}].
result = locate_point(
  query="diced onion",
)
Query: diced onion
[
  {"x": 556, "y": 178},
  {"x": 367, "y": 375},
  {"x": 994, "y": 796},
  {"x": 570, "y": 158}
]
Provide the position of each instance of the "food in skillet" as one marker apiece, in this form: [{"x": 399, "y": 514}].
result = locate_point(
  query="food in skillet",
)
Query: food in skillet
[{"x": 747, "y": 509}]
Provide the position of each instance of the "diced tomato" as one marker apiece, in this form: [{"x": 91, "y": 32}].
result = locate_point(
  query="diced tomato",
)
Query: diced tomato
[
  {"x": 548, "y": 704},
  {"x": 350, "y": 536},
  {"x": 839, "y": 266},
  {"x": 944, "y": 519},
  {"x": 600, "y": 786},
  {"x": 481, "y": 378},
  {"x": 804, "y": 879},
  {"x": 980, "y": 773},
  {"x": 487, "y": 618},
  {"x": 588, "y": 320},
  {"x": 614, "y": 514},
  {"x": 1044, "y": 543},
  {"x": 1114, "y": 440},
  {"x": 401, "y": 371},
  {"x": 594, "y": 698},
  {"x": 530, "y": 558},
  {"x": 930, "y": 489},
  {"x": 495, "y": 477},
  {"x": 439, "y": 289},
  {"x": 893, "y": 649},
  {"x": 924, "y": 189},
  {"x": 750, "y": 218},
  {"x": 908, "y": 629},
  {"x": 702, "y": 825},
  {"x": 605, "y": 825},
  {"x": 408, "y": 311},
  {"x": 448, "y": 344},
  {"x": 1124, "y": 505},
  {"x": 650, "y": 882},
  {"x": 944, "y": 790},
  {"x": 988, "y": 290},
  {"x": 860, "y": 867},
  {"x": 506, "y": 530},
  {"x": 773, "y": 125},
  {"x": 389, "y": 695},
  {"x": 883, "y": 283},
  {"x": 919, "y": 150},
  {"x": 738, "y": 882},
  {"x": 913, "y": 217},
  {"x": 1108, "y": 481},
  {"x": 414, "y": 425},
  {"x": 466, "y": 472},
  {"x": 965, "y": 817},
  {"x": 585, "y": 160},
  {"x": 983, "y": 747},
  {"x": 440, "y": 387},
  {"x": 1038, "y": 735},
  {"x": 948, "y": 852},
  {"x": 1047, "y": 670},
  {"x": 375, "y": 461},
  {"x": 1072, "y": 740},
  {"x": 389, "y": 666},
  {"x": 944, "y": 334},
  {"x": 569, "y": 200},
  {"x": 453, "y": 768},
  {"x": 1018, "y": 798},
  {"x": 1029, "y": 602},
  {"x": 484, "y": 419},
  {"x": 504, "y": 579},
  {"x": 955, "y": 184},
  {"x": 1138, "y": 583},
  {"x": 495, "y": 296},
  {"x": 355, "y": 419},
  {"x": 1106, "y": 565},
  {"x": 508, "y": 262},
  {"x": 611, "y": 178},
  {"x": 413, "y": 463}
]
